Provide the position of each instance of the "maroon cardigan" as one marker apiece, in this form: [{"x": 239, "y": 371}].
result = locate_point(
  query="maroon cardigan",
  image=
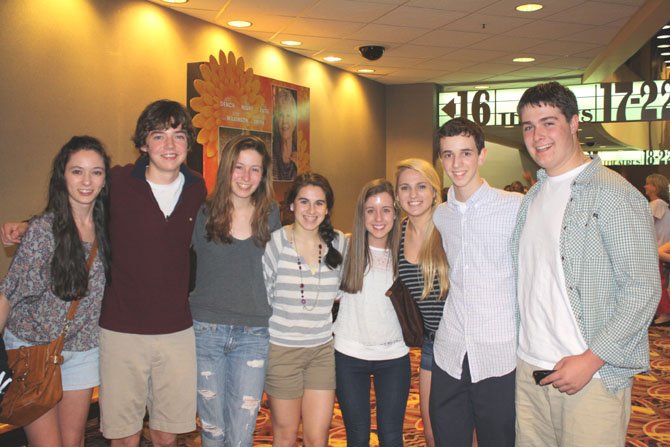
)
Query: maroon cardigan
[{"x": 148, "y": 292}]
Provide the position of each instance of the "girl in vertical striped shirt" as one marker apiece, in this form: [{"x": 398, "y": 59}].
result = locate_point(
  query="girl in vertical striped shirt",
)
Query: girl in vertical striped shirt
[{"x": 422, "y": 263}]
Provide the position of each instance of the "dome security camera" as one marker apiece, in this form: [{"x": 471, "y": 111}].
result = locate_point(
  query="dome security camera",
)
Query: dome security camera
[{"x": 371, "y": 52}]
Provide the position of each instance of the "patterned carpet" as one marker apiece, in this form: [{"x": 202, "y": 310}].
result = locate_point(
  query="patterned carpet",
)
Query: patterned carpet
[{"x": 649, "y": 425}]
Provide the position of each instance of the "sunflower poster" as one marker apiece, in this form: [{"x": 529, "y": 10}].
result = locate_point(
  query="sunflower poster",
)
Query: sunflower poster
[{"x": 226, "y": 98}]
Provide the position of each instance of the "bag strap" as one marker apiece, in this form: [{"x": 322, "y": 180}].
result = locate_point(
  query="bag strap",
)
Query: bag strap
[{"x": 75, "y": 303}]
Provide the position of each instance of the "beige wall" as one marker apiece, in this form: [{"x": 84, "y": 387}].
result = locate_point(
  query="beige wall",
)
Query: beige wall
[
  {"x": 411, "y": 122},
  {"x": 76, "y": 66}
]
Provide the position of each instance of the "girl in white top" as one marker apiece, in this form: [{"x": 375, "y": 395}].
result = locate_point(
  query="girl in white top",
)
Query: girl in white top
[
  {"x": 368, "y": 337},
  {"x": 301, "y": 266}
]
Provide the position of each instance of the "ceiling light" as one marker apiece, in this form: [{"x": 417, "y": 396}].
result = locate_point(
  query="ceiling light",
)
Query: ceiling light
[
  {"x": 663, "y": 45},
  {"x": 365, "y": 70},
  {"x": 240, "y": 23},
  {"x": 481, "y": 87},
  {"x": 523, "y": 59},
  {"x": 291, "y": 43},
  {"x": 332, "y": 59},
  {"x": 663, "y": 36},
  {"x": 175, "y": 1},
  {"x": 589, "y": 138},
  {"x": 529, "y": 7},
  {"x": 666, "y": 27},
  {"x": 665, "y": 53}
]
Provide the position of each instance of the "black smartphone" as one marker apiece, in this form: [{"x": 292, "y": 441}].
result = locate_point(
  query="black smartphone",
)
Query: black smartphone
[{"x": 540, "y": 374}]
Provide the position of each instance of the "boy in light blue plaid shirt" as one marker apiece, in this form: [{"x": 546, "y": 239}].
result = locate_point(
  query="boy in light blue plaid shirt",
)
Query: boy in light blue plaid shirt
[{"x": 588, "y": 285}]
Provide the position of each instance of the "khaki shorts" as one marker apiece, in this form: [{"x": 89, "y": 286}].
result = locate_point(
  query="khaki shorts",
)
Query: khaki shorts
[
  {"x": 140, "y": 372},
  {"x": 293, "y": 370}
]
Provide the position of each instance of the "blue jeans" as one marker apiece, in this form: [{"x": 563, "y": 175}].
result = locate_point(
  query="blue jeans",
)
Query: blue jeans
[
  {"x": 231, "y": 375},
  {"x": 391, "y": 378}
]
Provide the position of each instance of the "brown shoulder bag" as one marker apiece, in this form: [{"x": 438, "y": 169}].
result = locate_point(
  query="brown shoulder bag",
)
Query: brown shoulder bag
[{"x": 36, "y": 381}]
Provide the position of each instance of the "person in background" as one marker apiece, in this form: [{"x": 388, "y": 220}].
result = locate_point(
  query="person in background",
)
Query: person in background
[
  {"x": 422, "y": 263},
  {"x": 368, "y": 337},
  {"x": 475, "y": 344},
  {"x": 656, "y": 189},
  {"x": 49, "y": 270},
  {"x": 588, "y": 285},
  {"x": 302, "y": 268},
  {"x": 231, "y": 321}
]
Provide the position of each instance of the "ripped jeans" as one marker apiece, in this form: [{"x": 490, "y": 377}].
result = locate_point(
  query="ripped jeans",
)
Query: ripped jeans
[{"x": 231, "y": 375}]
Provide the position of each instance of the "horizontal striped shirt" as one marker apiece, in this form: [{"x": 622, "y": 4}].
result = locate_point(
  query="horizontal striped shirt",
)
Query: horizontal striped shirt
[
  {"x": 412, "y": 277},
  {"x": 292, "y": 323}
]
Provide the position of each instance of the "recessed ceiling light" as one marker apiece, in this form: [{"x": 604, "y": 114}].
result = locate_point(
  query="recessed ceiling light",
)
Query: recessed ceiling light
[
  {"x": 365, "y": 70},
  {"x": 523, "y": 59},
  {"x": 666, "y": 27},
  {"x": 667, "y": 62},
  {"x": 332, "y": 59},
  {"x": 175, "y": 1},
  {"x": 508, "y": 127},
  {"x": 665, "y": 53},
  {"x": 240, "y": 23},
  {"x": 291, "y": 43},
  {"x": 663, "y": 45},
  {"x": 529, "y": 7},
  {"x": 663, "y": 36},
  {"x": 481, "y": 87},
  {"x": 589, "y": 138}
]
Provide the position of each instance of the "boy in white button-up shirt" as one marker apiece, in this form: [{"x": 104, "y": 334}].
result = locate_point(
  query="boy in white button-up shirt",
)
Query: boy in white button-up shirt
[{"x": 475, "y": 345}]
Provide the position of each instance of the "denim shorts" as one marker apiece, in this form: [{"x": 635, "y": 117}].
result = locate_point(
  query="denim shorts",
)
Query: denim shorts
[
  {"x": 79, "y": 371},
  {"x": 427, "y": 355}
]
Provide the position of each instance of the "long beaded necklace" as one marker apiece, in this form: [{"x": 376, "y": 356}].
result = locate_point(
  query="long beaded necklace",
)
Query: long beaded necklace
[{"x": 303, "y": 300}]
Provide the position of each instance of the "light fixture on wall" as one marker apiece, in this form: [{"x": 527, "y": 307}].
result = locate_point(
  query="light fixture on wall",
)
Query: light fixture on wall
[{"x": 240, "y": 23}]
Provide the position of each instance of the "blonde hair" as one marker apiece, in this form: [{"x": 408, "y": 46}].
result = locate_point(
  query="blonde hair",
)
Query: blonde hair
[
  {"x": 432, "y": 259},
  {"x": 357, "y": 260},
  {"x": 660, "y": 182}
]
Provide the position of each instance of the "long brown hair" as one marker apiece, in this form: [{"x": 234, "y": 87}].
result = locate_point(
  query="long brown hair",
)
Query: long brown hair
[
  {"x": 432, "y": 259},
  {"x": 219, "y": 205},
  {"x": 357, "y": 260}
]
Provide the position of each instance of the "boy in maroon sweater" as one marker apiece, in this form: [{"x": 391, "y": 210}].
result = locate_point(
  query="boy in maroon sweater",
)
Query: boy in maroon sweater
[{"x": 147, "y": 345}]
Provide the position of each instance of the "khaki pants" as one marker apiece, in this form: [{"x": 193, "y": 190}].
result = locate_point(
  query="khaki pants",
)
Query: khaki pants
[
  {"x": 545, "y": 417},
  {"x": 140, "y": 372}
]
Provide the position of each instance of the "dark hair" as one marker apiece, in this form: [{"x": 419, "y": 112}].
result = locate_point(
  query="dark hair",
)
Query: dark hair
[
  {"x": 159, "y": 115},
  {"x": 220, "y": 206},
  {"x": 550, "y": 94},
  {"x": 69, "y": 277},
  {"x": 358, "y": 258},
  {"x": 462, "y": 126},
  {"x": 326, "y": 231}
]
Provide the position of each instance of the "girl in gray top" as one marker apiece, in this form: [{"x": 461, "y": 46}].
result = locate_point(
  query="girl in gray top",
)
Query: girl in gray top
[
  {"x": 49, "y": 271},
  {"x": 229, "y": 303}
]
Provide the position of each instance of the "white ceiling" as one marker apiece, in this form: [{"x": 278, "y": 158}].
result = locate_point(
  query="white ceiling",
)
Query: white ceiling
[{"x": 459, "y": 42}]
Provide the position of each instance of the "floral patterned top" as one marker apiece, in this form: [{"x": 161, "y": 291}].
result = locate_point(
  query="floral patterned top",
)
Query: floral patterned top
[{"x": 37, "y": 315}]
